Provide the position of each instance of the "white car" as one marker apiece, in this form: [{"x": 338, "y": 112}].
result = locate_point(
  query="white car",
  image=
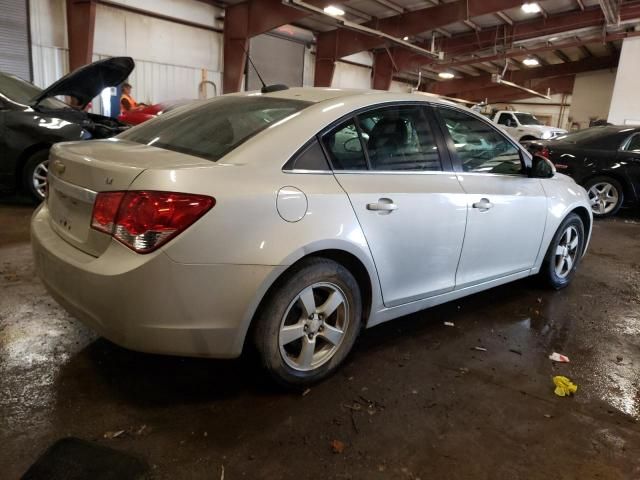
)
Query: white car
[{"x": 292, "y": 219}]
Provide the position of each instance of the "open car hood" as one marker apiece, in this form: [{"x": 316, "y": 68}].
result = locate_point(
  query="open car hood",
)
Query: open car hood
[{"x": 87, "y": 82}]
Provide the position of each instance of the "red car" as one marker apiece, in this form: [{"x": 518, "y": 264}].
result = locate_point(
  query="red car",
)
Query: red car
[{"x": 135, "y": 117}]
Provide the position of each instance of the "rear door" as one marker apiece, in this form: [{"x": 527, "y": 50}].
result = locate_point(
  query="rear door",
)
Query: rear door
[
  {"x": 410, "y": 205},
  {"x": 507, "y": 210}
]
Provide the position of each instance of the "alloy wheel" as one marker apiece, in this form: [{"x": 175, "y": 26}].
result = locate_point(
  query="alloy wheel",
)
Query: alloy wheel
[
  {"x": 567, "y": 251},
  {"x": 39, "y": 178},
  {"x": 313, "y": 326},
  {"x": 603, "y": 197}
]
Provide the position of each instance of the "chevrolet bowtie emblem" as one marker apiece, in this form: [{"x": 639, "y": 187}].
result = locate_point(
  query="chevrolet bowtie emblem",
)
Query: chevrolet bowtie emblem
[{"x": 59, "y": 167}]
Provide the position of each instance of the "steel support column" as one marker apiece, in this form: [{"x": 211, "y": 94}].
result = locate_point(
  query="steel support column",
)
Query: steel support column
[
  {"x": 245, "y": 20},
  {"x": 382, "y": 70},
  {"x": 81, "y": 22}
]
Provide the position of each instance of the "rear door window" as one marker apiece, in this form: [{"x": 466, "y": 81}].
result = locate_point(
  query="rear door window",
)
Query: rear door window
[
  {"x": 213, "y": 128},
  {"x": 399, "y": 138},
  {"x": 345, "y": 148}
]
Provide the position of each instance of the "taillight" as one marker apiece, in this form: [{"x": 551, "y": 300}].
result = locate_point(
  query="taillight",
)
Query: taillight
[
  {"x": 145, "y": 220},
  {"x": 545, "y": 152}
]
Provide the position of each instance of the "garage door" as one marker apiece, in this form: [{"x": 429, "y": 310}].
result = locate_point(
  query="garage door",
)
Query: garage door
[
  {"x": 14, "y": 38},
  {"x": 277, "y": 59}
]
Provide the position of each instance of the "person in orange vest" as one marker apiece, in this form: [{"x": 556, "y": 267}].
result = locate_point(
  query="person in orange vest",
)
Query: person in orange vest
[{"x": 127, "y": 102}]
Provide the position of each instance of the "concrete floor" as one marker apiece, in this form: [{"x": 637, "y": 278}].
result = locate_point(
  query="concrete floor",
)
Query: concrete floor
[{"x": 413, "y": 401}]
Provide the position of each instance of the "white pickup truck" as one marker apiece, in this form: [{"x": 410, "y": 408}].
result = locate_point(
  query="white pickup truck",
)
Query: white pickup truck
[{"x": 524, "y": 126}]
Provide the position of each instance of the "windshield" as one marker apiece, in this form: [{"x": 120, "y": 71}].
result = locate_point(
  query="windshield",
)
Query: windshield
[
  {"x": 212, "y": 129},
  {"x": 528, "y": 119},
  {"x": 22, "y": 92}
]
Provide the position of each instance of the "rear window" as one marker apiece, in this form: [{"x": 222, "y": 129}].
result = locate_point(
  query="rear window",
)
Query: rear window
[{"x": 212, "y": 129}]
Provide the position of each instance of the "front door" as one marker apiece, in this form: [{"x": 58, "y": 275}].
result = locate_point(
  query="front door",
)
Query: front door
[
  {"x": 629, "y": 156},
  {"x": 411, "y": 210},
  {"x": 507, "y": 210}
]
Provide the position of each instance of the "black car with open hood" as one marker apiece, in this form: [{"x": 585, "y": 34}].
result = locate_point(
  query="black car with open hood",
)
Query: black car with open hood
[{"x": 32, "y": 119}]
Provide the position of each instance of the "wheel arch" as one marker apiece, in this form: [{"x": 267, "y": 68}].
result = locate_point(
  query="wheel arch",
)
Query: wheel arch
[
  {"x": 356, "y": 266},
  {"x": 524, "y": 138},
  {"x": 26, "y": 154},
  {"x": 583, "y": 213}
]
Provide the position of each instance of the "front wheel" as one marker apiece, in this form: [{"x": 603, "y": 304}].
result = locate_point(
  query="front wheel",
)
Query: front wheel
[
  {"x": 35, "y": 174},
  {"x": 309, "y": 322},
  {"x": 564, "y": 253}
]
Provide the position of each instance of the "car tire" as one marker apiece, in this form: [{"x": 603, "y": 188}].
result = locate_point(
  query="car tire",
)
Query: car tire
[
  {"x": 293, "y": 343},
  {"x": 606, "y": 195},
  {"x": 564, "y": 253},
  {"x": 34, "y": 175}
]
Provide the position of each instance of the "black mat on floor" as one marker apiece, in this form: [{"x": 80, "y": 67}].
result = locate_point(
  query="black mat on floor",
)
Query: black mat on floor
[{"x": 75, "y": 459}]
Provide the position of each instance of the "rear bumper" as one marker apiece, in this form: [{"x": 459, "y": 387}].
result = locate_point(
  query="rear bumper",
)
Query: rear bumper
[{"x": 149, "y": 302}]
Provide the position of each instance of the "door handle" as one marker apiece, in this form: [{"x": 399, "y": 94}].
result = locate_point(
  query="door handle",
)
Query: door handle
[
  {"x": 383, "y": 205},
  {"x": 483, "y": 205}
]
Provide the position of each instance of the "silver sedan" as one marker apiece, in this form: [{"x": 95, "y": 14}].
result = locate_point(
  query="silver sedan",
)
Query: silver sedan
[{"x": 293, "y": 219}]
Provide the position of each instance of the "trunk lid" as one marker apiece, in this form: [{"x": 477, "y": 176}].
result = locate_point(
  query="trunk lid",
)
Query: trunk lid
[{"x": 78, "y": 171}]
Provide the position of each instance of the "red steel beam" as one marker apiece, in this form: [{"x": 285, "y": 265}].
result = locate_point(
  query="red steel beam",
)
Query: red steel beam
[
  {"x": 505, "y": 35},
  {"x": 502, "y": 93},
  {"x": 520, "y": 76},
  {"x": 339, "y": 43},
  {"x": 245, "y": 20},
  {"x": 81, "y": 22},
  {"x": 382, "y": 70}
]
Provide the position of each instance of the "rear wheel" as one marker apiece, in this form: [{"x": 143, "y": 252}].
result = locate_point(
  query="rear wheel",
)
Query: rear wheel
[
  {"x": 309, "y": 323},
  {"x": 565, "y": 252},
  {"x": 34, "y": 175},
  {"x": 605, "y": 196}
]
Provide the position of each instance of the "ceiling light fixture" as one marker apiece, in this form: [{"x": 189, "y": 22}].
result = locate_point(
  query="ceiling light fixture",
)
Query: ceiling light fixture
[
  {"x": 446, "y": 75},
  {"x": 531, "y": 62},
  {"x": 406, "y": 38},
  {"x": 333, "y": 11},
  {"x": 532, "y": 7}
]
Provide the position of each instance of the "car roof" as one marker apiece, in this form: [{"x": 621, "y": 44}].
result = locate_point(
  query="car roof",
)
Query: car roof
[{"x": 320, "y": 94}]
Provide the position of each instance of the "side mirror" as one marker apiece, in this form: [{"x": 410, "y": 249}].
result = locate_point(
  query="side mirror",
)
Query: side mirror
[{"x": 541, "y": 167}]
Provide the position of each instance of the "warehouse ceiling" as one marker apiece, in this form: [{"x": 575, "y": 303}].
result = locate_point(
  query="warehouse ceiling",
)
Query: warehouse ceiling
[{"x": 471, "y": 38}]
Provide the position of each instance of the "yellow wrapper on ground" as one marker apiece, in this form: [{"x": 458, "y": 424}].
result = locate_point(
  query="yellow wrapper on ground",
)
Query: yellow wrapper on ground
[{"x": 564, "y": 386}]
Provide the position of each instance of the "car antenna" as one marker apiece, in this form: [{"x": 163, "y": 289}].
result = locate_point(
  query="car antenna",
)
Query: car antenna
[{"x": 265, "y": 88}]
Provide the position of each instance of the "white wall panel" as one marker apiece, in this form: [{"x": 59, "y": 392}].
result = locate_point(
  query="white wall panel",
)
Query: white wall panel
[
  {"x": 49, "y": 48},
  {"x": 189, "y": 10},
  {"x": 49, "y": 64},
  {"x": 347, "y": 75},
  {"x": 625, "y": 101}
]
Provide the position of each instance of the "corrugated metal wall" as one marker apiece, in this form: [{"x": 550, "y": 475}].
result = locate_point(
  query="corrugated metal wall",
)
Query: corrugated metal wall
[{"x": 14, "y": 38}]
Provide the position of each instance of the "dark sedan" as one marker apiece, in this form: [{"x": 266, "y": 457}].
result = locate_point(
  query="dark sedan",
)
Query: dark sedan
[
  {"x": 32, "y": 119},
  {"x": 604, "y": 160}
]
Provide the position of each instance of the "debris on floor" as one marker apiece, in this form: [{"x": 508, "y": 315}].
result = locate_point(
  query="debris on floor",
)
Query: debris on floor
[
  {"x": 517, "y": 352},
  {"x": 558, "y": 357},
  {"x": 112, "y": 435},
  {"x": 480, "y": 349},
  {"x": 564, "y": 386},
  {"x": 337, "y": 446},
  {"x": 449, "y": 324}
]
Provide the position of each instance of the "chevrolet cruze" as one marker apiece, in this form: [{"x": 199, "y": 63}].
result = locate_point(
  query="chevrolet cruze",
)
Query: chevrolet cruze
[{"x": 290, "y": 220}]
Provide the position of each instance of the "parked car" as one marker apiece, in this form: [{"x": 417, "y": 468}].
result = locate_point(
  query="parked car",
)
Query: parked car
[
  {"x": 258, "y": 219},
  {"x": 136, "y": 117},
  {"x": 525, "y": 126},
  {"x": 32, "y": 119},
  {"x": 604, "y": 160}
]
